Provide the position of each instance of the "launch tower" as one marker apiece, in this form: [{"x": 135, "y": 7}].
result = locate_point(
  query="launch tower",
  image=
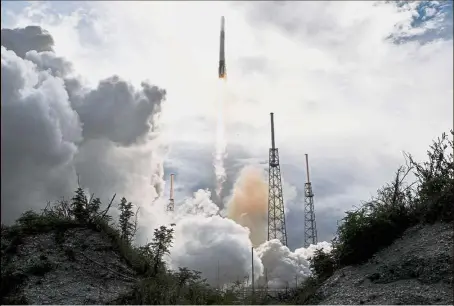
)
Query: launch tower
[
  {"x": 276, "y": 215},
  {"x": 171, "y": 205},
  {"x": 310, "y": 228}
]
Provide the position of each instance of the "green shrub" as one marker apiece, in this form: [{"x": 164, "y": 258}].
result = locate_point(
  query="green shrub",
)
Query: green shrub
[
  {"x": 399, "y": 205},
  {"x": 376, "y": 224},
  {"x": 435, "y": 177},
  {"x": 306, "y": 294},
  {"x": 322, "y": 264}
]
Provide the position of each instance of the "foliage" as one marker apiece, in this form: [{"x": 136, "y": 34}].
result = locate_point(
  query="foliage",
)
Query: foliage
[
  {"x": 399, "y": 205},
  {"x": 127, "y": 227},
  {"x": 79, "y": 205},
  {"x": 160, "y": 246},
  {"x": 322, "y": 264},
  {"x": 155, "y": 283},
  {"x": 435, "y": 179},
  {"x": 306, "y": 294}
]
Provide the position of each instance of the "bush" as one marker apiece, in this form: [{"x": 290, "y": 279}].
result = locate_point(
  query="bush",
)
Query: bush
[
  {"x": 322, "y": 264},
  {"x": 376, "y": 224},
  {"x": 435, "y": 179},
  {"x": 155, "y": 283},
  {"x": 398, "y": 206},
  {"x": 306, "y": 294}
]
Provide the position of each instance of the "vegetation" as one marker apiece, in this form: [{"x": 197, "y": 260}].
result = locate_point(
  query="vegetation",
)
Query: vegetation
[
  {"x": 127, "y": 228},
  {"x": 364, "y": 231},
  {"x": 156, "y": 284},
  {"x": 396, "y": 207},
  {"x": 400, "y": 205}
]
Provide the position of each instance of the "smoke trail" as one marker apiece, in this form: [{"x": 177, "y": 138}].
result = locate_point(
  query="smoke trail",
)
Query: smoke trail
[
  {"x": 249, "y": 202},
  {"x": 221, "y": 142}
]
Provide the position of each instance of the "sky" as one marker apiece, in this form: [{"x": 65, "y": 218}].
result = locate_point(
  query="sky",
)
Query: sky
[{"x": 352, "y": 84}]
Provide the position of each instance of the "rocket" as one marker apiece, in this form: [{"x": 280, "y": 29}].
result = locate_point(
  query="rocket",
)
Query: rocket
[{"x": 222, "y": 69}]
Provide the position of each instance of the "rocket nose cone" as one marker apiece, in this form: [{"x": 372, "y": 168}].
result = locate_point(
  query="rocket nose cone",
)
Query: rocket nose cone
[{"x": 222, "y": 22}]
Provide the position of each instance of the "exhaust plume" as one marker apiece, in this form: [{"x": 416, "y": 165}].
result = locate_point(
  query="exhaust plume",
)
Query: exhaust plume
[
  {"x": 249, "y": 202},
  {"x": 221, "y": 142}
]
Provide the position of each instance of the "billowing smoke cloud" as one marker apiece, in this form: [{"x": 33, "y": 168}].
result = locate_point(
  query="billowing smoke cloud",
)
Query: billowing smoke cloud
[
  {"x": 283, "y": 268},
  {"x": 220, "y": 248},
  {"x": 210, "y": 243},
  {"x": 249, "y": 202},
  {"x": 54, "y": 129}
]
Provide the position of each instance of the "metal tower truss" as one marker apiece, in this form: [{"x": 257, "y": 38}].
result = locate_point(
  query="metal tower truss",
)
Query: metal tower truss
[
  {"x": 310, "y": 228},
  {"x": 276, "y": 214}
]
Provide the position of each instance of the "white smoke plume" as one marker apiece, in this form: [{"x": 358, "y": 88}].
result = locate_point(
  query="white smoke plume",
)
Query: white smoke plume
[
  {"x": 221, "y": 142},
  {"x": 284, "y": 268}
]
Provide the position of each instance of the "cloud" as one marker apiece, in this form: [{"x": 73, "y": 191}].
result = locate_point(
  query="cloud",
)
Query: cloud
[
  {"x": 117, "y": 111},
  {"x": 103, "y": 135},
  {"x": 22, "y": 40},
  {"x": 37, "y": 119}
]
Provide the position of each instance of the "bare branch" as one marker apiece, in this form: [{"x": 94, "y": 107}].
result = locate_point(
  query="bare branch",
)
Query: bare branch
[
  {"x": 134, "y": 231},
  {"x": 108, "y": 207},
  {"x": 91, "y": 198}
]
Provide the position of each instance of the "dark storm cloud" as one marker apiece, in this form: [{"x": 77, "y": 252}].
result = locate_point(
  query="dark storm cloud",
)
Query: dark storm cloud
[
  {"x": 26, "y": 39},
  {"x": 117, "y": 111},
  {"x": 53, "y": 129}
]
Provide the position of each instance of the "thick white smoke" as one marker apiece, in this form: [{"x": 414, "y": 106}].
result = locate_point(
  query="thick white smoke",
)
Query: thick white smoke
[
  {"x": 220, "y": 247},
  {"x": 284, "y": 268}
]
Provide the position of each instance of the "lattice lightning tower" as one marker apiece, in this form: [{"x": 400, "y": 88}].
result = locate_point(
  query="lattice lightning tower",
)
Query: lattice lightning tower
[
  {"x": 276, "y": 215},
  {"x": 310, "y": 228},
  {"x": 171, "y": 205}
]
